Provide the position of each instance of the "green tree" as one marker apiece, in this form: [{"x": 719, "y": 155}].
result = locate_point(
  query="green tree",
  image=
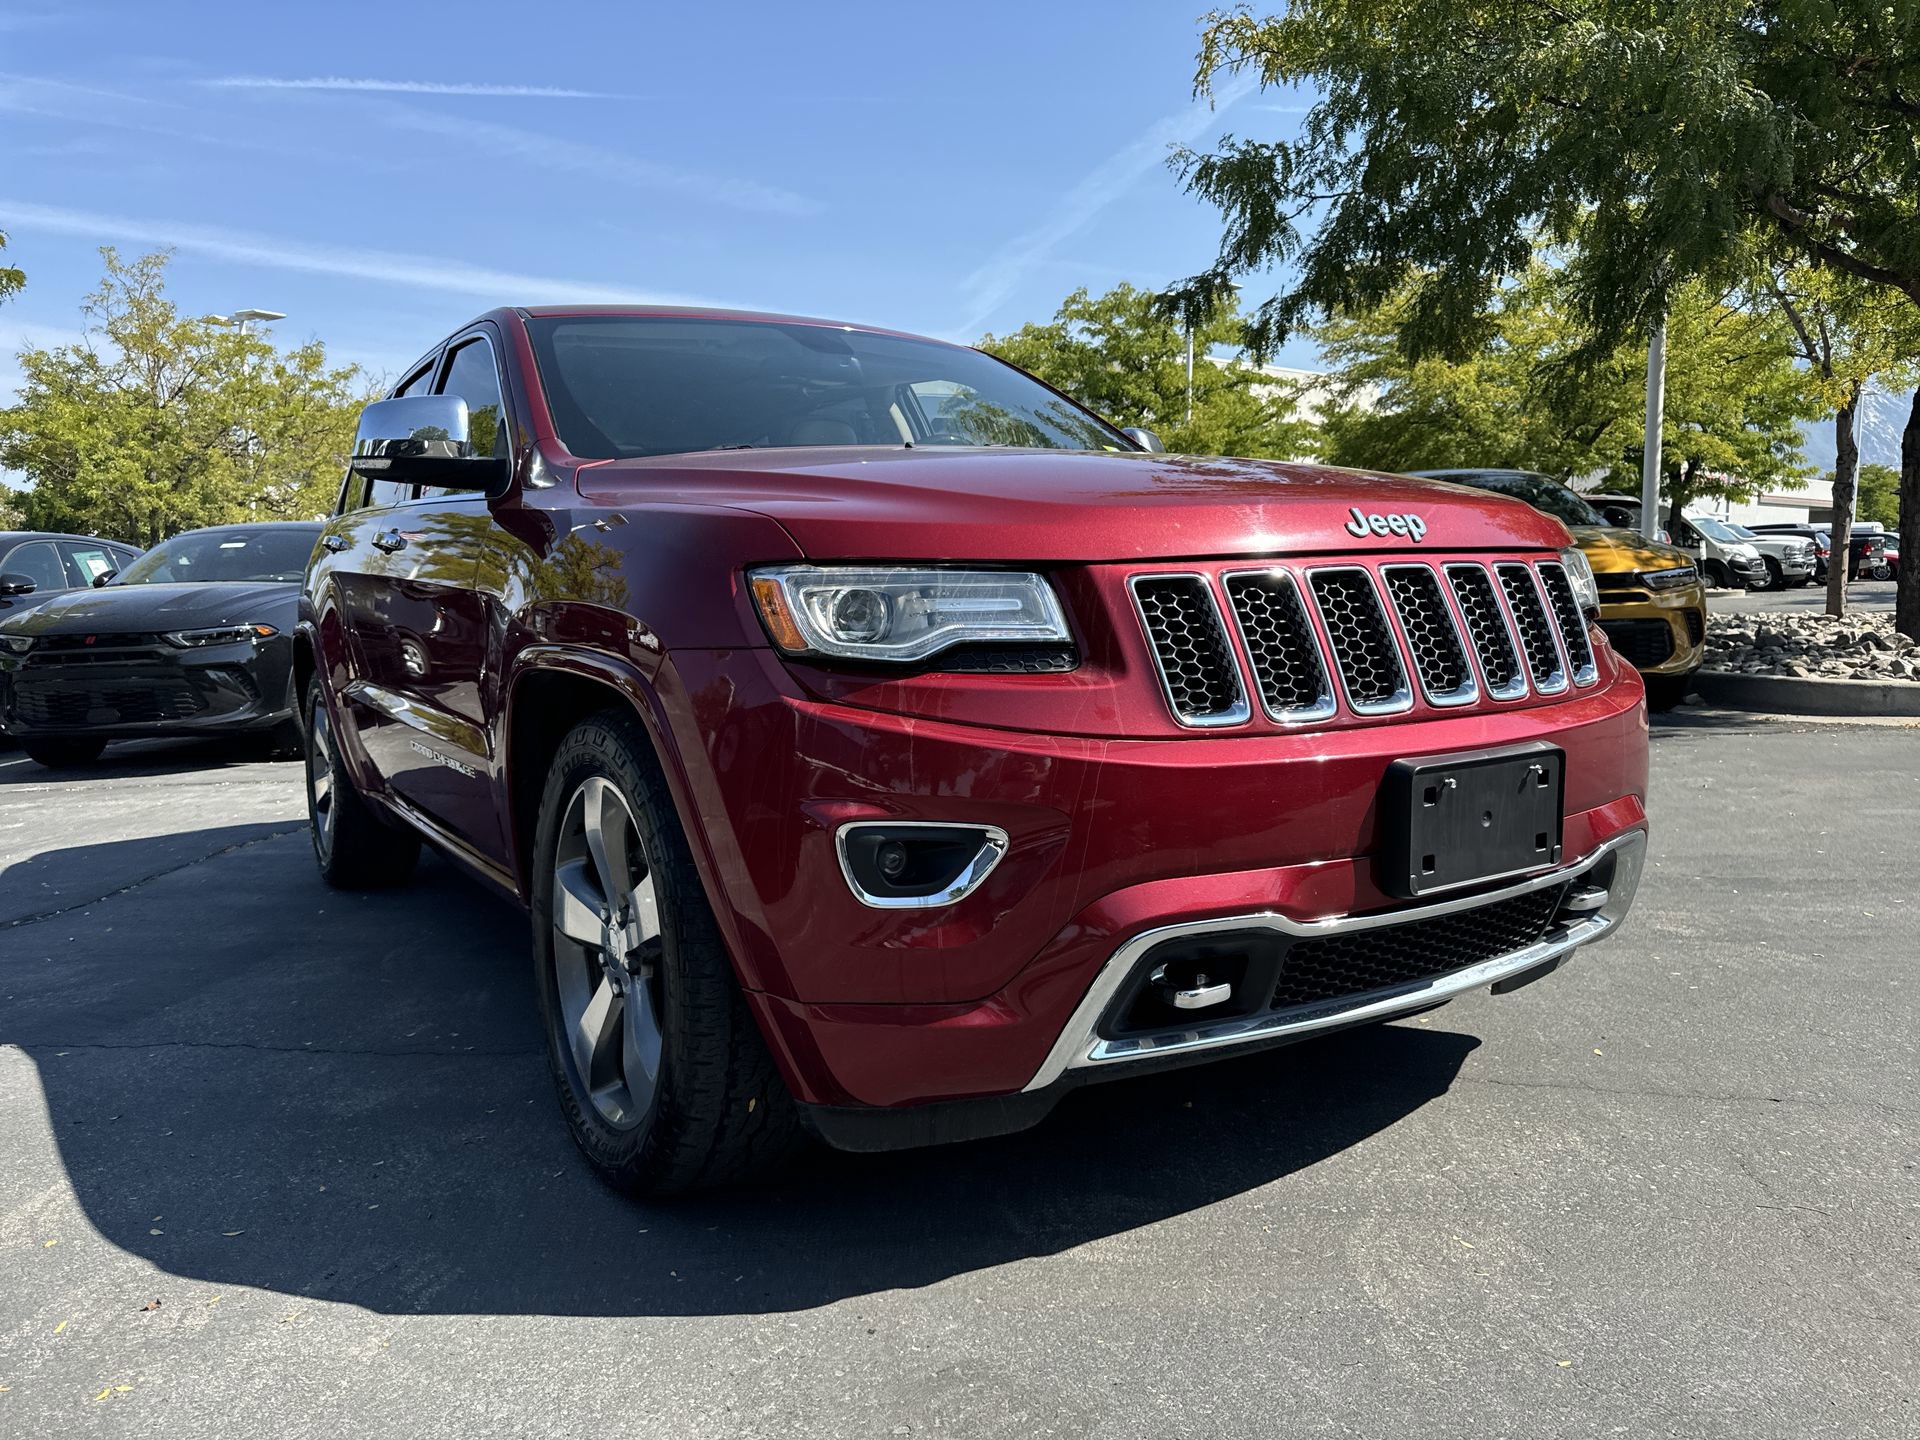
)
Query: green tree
[
  {"x": 1538, "y": 393},
  {"x": 11, "y": 278},
  {"x": 1879, "y": 496},
  {"x": 1123, "y": 357},
  {"x": 1849, "y": 333},
  {"x": 1669, "y": 139},
  {"x": 156, "y": 422}
]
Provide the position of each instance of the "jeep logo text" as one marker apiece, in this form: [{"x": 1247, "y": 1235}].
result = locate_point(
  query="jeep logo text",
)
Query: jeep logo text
[{"x": 1411, "y": 526}]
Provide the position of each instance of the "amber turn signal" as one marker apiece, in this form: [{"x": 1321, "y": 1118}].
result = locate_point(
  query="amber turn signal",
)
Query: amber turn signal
[{"x": 771, "y": 600}]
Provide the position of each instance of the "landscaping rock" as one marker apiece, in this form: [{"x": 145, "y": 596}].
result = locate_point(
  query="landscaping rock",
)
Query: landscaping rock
[{"x": 1858, "y": 647}]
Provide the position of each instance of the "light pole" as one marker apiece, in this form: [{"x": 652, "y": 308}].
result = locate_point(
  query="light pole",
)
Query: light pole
[
  {"x": 1650, "y": 443},
  {"x": 243, "y": 318}
]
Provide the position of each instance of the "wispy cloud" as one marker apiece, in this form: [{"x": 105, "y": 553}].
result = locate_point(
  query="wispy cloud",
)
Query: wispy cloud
[
  {"x": 604, "y": 165},
  {"x": 406, "y": 87},
  {"x": 989, "y": 287},
  {"x": 387, "y": 267}
]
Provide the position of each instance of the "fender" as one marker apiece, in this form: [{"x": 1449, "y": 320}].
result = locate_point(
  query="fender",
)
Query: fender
[{"x": 643, "y": 694}]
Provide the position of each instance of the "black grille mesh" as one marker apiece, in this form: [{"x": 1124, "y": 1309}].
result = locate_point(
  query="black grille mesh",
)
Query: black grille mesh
[
  {"x": 1184, "y": 628},
  {"x": 1474, "y": 591},
  {"x": 1543, "y": 659},
  {"x": 1429, "y": 629},
  {"x": 66, "y": 706},
  {"x": 1573, "y": 625},
  {"x": 1363, "y": 646},
  {"x": 1280, "y": 642},
  {"x": 1641, "y": 643},
  {"x": 1335, "y": 966}
]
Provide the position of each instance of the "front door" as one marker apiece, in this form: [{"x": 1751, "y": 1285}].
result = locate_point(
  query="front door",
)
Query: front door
[{"x": 407, "y": 579}]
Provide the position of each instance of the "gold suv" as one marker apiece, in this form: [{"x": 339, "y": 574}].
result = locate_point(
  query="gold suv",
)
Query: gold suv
[{"x": 1653, "y": 606}]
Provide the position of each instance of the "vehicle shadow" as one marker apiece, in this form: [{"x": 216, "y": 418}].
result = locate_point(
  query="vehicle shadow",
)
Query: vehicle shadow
[
  {"x": 125, "y": 759},
  {"x": 251, "y": 1080}
]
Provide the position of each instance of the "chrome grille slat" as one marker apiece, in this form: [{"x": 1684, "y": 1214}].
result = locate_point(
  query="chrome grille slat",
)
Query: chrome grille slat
[
  {"x": 1535, "y": 630},
  {"x": 1289, "y": 670},
  {"x": 1573, "y": 626},
  {"x": 1439, "y": 656},
  {"x": 1365, "y": 653},
  {"x": 1494, "y": 643},
  {"x": 1199, "y": 673}
]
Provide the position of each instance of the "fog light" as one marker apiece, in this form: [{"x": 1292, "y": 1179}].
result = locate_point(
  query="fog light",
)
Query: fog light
[{"x": 916, "y": 864}]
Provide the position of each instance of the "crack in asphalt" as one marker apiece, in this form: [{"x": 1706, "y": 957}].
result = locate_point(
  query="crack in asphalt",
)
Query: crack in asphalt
[
  {"x": 471, "y": 1052},
  {"x": 156, "y": 875}
]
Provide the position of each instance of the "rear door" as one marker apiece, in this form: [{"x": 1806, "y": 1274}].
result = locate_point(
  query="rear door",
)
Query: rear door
[{"x": 418, "y": 628}]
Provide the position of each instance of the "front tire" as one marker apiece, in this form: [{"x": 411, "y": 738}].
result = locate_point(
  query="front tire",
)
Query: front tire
[
  {"x": 661, "y": 1072},
  {"x": 1774, "y": 579},
  {"x": 1719, "y": 576},
  {"x": 354, "y": 848},
  {"x": 64, "y": 754}
]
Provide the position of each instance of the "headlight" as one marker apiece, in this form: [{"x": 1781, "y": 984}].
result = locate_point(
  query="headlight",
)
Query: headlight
[
  {"x": 16, "y": 644},
  {"x": 888, "y": 613},
  {"x": 1586, "y": 591},
  {"x": 218, "y": 635},
  {"x": 1669, "y": 579}
]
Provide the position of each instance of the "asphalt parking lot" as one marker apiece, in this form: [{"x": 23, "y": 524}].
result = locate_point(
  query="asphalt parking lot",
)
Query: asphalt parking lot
[{"x": 276, "y": 1161}]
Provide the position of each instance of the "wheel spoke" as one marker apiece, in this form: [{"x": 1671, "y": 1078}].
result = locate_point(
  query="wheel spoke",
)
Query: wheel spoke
[
  {"x": 640, "y": 1046},
  {"x": 606, "y": 823},
  {"x": 577, "y": 902},
  {"x": 644, "y": 914},
  {"x": 597, "y": 1039}
]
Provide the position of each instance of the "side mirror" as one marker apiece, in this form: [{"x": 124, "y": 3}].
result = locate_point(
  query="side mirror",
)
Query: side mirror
[
  {"x": 14, "y": 583},
  {"x": 1145, "y": 439},
  {"x": 426, "y": 440},
  {"x": 105, "y": 577}
]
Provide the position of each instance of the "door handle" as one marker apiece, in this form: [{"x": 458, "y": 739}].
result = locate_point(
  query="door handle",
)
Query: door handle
[
  {"x": 334, "y": 544},
  {"x": 389, "y": 541}
]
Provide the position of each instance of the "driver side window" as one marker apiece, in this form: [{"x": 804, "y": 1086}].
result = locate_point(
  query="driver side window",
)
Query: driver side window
[{"x": 40, "y": 563}]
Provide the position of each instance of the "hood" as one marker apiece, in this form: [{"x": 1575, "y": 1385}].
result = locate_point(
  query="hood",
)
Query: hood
[
  {"x": 119, "y": 609},
  {"x": 1067, "y": 505},
  {"x": 1614, "y": 552}
]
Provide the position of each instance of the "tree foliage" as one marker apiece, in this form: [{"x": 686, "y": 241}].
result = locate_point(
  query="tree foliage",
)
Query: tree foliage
[
  {"x": 1123, "y": 357},
  {"x": 1538, "y": 394},
  {"x": 1878, "y": 495},
  {"x": 11, "y": 277},
  {"x": 1669, "y": 140},
  {"x": 155, "y": 422}
]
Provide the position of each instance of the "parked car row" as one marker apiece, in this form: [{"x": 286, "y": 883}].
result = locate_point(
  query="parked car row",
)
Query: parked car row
[
  {"x": 191, "y": 638},
  {"x": 37, "y": 565},
  {"x": 1653, "y": 606}
]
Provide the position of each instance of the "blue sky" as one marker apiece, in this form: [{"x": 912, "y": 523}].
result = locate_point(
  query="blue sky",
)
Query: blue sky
[{"x": 383, "y": 172}]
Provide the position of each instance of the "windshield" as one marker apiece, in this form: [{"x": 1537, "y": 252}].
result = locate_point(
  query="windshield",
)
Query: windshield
[
  {"x": 1741, "y": 532},
  {"x": 277, "y": 553},
  {"x": 1713, "y": 529},
  {"x": 1538, "y": 491},
  {"x": 622, "y": 386}
]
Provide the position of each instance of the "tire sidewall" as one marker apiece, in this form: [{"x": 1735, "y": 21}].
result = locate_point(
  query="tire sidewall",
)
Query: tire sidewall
[{"x": 599, "y": 749}]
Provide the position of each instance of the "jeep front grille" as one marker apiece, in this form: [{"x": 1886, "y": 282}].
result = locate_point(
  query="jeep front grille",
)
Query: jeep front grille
[
  {"x": 1536, "y": 637},
  {"x": 1464, "y": 631},
  {"x": 1198, "y": 671},
  {"x": 1287, "y": 668},
  {"x": 1573, "y": 626},
  {"x": 1362, "y": 641}
]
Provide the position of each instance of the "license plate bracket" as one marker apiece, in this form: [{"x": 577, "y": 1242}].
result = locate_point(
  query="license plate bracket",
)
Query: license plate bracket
[{"x": 1455, "y": 820}]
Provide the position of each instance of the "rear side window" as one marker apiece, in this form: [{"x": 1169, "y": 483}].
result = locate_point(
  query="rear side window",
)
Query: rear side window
[
  {"x": 87, "y": 563},
  {"x": 39, "y": 562}
]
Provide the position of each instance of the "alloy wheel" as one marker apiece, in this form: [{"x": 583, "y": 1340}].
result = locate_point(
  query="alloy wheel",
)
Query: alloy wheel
[
  {"x": 321, "y": 780},
  {"x": 606, "y": 953}
]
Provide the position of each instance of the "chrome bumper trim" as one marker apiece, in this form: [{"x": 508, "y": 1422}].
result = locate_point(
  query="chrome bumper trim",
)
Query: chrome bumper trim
[{"x": 1080, "y": 1043}]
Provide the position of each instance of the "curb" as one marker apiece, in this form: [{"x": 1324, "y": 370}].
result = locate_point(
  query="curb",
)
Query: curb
[{"x": 1792, "y": 695}]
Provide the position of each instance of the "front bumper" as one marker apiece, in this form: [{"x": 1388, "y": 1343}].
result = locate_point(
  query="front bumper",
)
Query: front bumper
[
  {"x": 1588, "y": 898},
  {"x": 1657, "y": 634},
  {"x": 145, "y": 687},
  {"x": 1106, "y": 841}
]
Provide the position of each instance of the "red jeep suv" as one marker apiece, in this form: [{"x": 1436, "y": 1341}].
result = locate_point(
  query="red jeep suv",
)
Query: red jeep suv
[{"x": 884, "y": 744}]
